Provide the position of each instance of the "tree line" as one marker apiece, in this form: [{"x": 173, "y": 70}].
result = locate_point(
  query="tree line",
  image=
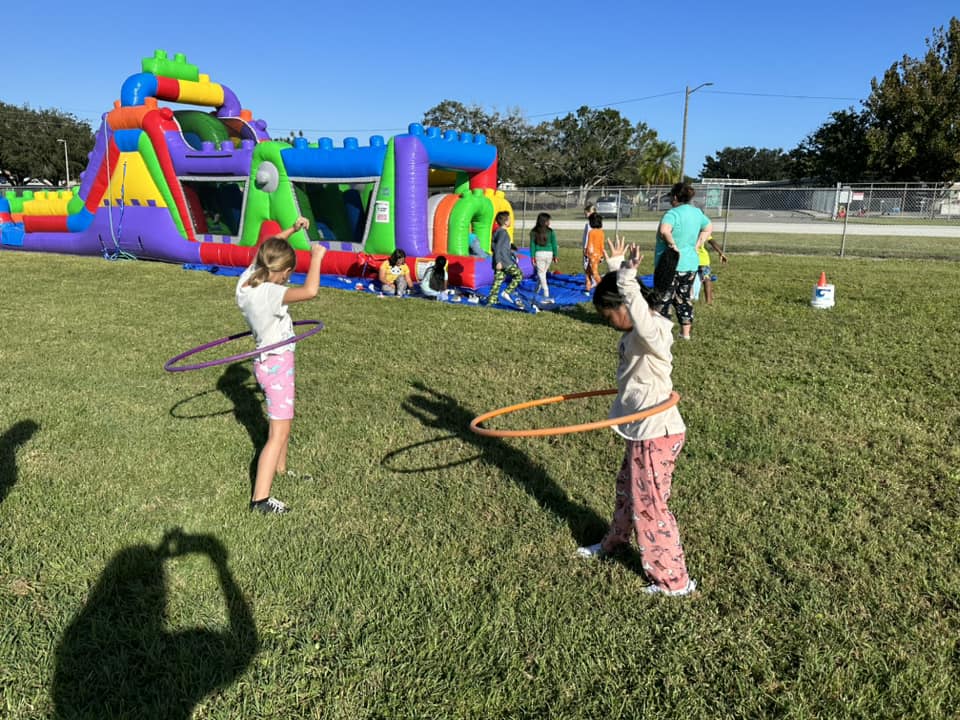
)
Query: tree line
[
  {"x": 31, "y": 147},
  {"x": 908, "y": 129}
]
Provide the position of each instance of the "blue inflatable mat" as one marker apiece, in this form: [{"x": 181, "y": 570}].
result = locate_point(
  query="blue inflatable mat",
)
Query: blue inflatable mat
[{"x": 565, "y": 290}]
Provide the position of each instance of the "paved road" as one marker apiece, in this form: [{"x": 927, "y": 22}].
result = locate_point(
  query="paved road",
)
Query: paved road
[{"x": 799, "y": 227}]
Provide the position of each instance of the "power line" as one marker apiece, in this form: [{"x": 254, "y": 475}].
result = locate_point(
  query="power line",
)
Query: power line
[
  {"x": 609, "y": 104},
  {"x": 778, "y": 95}
]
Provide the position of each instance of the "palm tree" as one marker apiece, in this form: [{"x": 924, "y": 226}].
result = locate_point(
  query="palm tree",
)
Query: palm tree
[{"x": 658, "y": 163}]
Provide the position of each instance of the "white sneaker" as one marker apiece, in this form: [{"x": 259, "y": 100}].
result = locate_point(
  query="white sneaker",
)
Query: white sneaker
[
  {"x": 686, "y": 590},
  {"x": 508, "y": 297},
  {"x": 590, "y": 551}
]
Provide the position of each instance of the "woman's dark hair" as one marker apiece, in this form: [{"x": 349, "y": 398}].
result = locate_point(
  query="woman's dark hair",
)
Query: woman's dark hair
[
  {"x": 397, "y": 257},
  {"x": 682, "y": 192},
  {"x": 541, "y": 230},
  {"x": 439, "y": 275},
  {"x": 595, "y": 221}
]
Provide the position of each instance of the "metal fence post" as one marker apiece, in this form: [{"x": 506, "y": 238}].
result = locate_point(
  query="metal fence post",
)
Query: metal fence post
[
  {"x": 523, "y": 218},
  {"x": 843, "y": 235},
  {"x": 726, "y": 217},
  {"x": 616, "y": 222}
]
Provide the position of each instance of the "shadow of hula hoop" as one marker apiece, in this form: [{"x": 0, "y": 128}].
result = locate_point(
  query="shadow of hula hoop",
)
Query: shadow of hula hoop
[{"x": 388, "y": 458}]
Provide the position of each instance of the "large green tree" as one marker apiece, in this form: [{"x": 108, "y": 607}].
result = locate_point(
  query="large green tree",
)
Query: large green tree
[
  {"x": 30, "y": 147},
  {"x": 520, "y": 147},
  {"x": 594, "y": 146},
  {"x": 748, "y": 163},
  {"x": 837, "y": 151},
  {"x": 914, "y": 113},
  {"x": 588, "y": 148}
]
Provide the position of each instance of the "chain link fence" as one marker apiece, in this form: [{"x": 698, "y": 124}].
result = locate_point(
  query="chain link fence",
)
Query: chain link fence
[
  {"x": 919, "y": 220},
  {"x": 911, "y": 220}
]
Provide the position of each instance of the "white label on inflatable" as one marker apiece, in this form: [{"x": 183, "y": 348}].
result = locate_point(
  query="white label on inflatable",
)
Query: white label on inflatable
[{"x": 382, "y": 211}]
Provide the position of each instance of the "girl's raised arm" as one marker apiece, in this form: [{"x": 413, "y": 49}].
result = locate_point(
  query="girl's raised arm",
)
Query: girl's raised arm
[{"x": 311, "y": 285}]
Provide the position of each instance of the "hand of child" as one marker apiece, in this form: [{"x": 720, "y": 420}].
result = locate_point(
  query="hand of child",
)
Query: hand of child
[
  {"x": 633, "y": 257},
  {"x": 615, "y": 248},
  {"x": 317, "y": 250},
  {"x": 301, "y": 224}
]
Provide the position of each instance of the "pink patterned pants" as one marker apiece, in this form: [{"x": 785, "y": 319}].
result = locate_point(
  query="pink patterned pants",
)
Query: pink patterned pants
[{"x": 643, "y": 489}]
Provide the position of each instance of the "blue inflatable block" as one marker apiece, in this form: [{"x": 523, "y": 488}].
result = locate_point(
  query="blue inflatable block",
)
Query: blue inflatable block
[{"x": 11, "y": 234}]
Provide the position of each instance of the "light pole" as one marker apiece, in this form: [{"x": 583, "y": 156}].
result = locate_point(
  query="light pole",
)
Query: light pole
[
  {"x": 66, "y": 159},
  {"x": 683, "y": 140}
]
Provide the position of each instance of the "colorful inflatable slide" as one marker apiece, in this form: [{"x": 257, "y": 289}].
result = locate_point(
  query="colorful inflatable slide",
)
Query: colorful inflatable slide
[{"x": 206, "y": 186}]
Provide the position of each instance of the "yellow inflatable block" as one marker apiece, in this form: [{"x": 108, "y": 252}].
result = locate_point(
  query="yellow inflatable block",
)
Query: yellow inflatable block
[
  {"x": 500, "y": 202},
  {"x": 131, "y": 183},
  {"x": 44, "y": 203},
  {"x": 201, "y": 93}
]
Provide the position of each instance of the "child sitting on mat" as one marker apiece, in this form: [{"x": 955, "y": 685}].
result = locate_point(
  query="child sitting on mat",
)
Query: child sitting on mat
[
  {"x": 653, "y": 443},
  {"x": 263, "y": 297},
  {"x": 433, "y": 284}
]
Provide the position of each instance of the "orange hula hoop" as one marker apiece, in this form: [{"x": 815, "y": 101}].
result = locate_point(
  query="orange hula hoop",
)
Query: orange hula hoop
[{"x": 566, "y": 429}]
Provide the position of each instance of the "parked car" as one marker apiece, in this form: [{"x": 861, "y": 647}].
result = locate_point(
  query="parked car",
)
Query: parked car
[
  {"x": 607, "y": 206},
  {"x": 659, "y": 202}
]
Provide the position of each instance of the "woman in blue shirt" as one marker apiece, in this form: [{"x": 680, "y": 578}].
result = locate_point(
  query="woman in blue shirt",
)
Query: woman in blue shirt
[{"x": 683, "y": 228}]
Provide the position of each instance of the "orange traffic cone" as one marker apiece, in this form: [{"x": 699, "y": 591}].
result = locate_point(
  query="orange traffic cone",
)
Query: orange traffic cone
[{"x": 823, "y": 280}]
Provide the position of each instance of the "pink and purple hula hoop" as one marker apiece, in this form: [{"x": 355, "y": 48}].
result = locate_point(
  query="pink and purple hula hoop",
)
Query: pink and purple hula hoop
[{"x": 171, "y": 364}]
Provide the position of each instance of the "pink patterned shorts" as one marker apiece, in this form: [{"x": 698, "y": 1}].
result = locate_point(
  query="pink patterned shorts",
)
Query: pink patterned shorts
[{"x": 277, "y": 378}]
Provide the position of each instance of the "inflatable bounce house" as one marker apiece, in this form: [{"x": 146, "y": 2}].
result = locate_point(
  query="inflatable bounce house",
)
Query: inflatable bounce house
[{"x": 207, "y": 186}]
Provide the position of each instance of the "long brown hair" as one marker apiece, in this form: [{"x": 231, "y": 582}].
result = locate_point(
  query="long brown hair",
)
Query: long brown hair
[
  {"x": 541, "y": 230},
  {"x": 274, "y": 255}
]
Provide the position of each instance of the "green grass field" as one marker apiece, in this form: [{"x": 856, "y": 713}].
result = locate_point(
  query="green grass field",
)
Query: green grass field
[{"x": 426, "y": 572}]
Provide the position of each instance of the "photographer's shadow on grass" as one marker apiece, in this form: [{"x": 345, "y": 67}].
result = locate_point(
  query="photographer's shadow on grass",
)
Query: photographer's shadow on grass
[
  {"x": 18, "y": 435},
  {"x": 444, "y": 412},
  {"x": 247, "y": 408},
  {"x": 119, "y": 657}
]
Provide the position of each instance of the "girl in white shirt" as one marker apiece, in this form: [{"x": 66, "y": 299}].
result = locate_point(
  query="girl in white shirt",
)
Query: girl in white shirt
[
  {"x": 263, "y": 297},
  {"x": 653, "y": 443}
]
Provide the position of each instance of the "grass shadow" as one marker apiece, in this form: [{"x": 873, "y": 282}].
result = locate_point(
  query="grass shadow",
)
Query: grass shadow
[
  {"x": 177, "y": 411},
  {"x": 10, "y": 441},
  {"x": 118, "y": 657},
  {"x": 247, "y": 409},
  {"x": 445, "y": 413}
]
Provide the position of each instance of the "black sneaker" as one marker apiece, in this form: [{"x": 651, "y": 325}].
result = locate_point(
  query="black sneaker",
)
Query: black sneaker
[{"x": 270, "y": 506}]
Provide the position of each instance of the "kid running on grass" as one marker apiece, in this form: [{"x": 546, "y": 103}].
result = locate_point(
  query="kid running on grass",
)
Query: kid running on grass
[
  {"x": 263, "y": 297},
  {"x": 704, "y": 272},
  {"x": 593, "y": 251},
  {"x": 652, "y": 444},
  {"x": 504, "y": 263}
]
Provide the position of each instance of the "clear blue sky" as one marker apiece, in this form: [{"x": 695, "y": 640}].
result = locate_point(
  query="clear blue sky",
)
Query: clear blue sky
[{"x": 778, "y": 69}]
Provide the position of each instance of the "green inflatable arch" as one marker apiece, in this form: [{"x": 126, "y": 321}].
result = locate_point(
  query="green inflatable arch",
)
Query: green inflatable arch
[
  {"x": 201, "y": 125},
  {"x": 472, "y": 209}
]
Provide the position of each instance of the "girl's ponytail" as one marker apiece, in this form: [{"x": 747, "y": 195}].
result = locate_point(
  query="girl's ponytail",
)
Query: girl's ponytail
[{"x": 258, "y": 276}]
